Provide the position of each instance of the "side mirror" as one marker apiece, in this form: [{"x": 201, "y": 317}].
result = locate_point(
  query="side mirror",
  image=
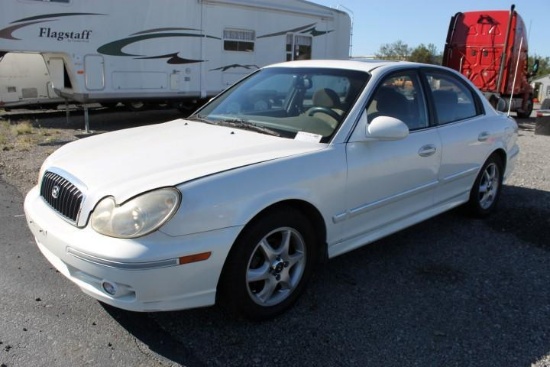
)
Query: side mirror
[
  {"x": 387, "y": 128},
  {"x": 535, "y": 69}
]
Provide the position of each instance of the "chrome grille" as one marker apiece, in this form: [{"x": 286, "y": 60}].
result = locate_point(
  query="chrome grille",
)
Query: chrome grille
[{"x": 61, "y": 195}]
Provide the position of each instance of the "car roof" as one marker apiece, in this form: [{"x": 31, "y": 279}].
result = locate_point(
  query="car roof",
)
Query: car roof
[
  {"x": 359, "y": 64},
  {"x": 371, "y": 66}
]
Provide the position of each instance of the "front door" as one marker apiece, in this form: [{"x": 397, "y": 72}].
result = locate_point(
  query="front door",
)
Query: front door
[{"x": 392, "y": 182}]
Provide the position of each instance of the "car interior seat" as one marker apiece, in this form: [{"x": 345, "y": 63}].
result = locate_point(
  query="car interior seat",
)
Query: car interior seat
[
  {"x": 328, "y": 98},
  {"x": 390, "y": 102}
]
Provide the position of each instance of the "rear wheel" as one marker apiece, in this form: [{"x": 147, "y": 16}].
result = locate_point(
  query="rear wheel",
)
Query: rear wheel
[
  {"x": 487, "y": 187},
  {"x": 269, "y": 265},
  {"x": 528, "y": 110}
]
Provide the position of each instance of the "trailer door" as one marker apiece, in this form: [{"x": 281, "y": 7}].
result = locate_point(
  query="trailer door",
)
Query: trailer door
[
  {"x": 298, "y": 47},
  {"x": 56, "y": 68},
  {"x": 94, "y": 71}
]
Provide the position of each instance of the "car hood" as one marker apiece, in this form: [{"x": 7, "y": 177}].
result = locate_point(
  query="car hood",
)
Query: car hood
[{"x": 127, "y": 162}]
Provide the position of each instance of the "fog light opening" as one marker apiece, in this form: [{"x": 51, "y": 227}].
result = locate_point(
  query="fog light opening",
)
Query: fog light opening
[{"x": 109, "y": 287}]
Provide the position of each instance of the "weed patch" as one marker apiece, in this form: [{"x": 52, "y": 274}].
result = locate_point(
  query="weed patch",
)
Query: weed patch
[{"x": 22, "y": 128}]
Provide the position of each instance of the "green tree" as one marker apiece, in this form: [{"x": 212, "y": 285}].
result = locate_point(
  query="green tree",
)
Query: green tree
[
  {"x": 544, "y": 65},
  {"x": 395, "y": 51},
  {"x": 426, "y": 54},
  {"x": 430, "y": 55}
]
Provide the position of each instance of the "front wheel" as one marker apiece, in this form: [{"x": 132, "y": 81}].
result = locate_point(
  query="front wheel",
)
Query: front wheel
[
  {"x": 269, "y": 265},
  {"x": 487, "y": 187}
]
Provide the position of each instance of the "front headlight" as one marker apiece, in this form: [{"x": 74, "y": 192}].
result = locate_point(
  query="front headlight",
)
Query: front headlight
[{"x": 137, "y": 217}]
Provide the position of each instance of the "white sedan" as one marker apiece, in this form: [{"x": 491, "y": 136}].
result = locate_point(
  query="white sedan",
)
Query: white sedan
[{"x": 295, "y": 164}]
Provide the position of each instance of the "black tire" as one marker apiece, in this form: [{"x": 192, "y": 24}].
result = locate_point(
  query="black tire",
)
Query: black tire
[
  {"x": 186, "y": 109},
  {"x": 527, "y": 113},
  {"x": 485, "y": 193},
  {"x": 545, "y": 105},
  {"x": 269, "y": 265},
  {"x": 136, "y": 106},
  {"x": 109, "y": 105}
]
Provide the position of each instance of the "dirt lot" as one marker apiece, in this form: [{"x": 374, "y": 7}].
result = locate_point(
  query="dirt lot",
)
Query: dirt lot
[{"x": 27, "y": 138}]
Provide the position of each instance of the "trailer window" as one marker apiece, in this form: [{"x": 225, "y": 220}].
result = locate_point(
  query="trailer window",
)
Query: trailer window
[{"x": 238, "y": 40}]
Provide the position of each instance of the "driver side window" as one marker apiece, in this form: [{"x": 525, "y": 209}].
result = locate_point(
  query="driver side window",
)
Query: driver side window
[{"x": 400, "y": 96}]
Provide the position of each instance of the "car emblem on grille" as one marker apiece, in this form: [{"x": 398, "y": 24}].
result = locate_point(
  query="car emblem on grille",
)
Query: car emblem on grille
[{"x": 55, "y": 192}]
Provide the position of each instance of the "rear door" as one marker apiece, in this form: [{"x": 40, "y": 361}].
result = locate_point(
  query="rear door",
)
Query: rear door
[{"x": 464, "y": 131}]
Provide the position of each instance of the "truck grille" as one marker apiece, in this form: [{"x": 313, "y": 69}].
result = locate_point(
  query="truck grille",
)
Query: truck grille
[{"x": 61, "y": 195}]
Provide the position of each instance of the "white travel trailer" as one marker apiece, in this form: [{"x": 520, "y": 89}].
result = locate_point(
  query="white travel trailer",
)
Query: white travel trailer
[
  {"x": 168, "y": 50},
  {"x": 25, "y": 81},
  {"x": 542, "y": 90}
]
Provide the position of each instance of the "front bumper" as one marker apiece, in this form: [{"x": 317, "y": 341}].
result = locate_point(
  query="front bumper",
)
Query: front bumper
[{"x": 144, "y": 274}]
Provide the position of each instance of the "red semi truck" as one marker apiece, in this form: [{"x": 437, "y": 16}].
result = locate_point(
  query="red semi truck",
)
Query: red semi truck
[{"x": 490, "y": 49}]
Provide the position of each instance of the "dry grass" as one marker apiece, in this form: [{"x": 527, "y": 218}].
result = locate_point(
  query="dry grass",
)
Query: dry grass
[
  {"x": 5, "y": 135},
  {"x": 22, "y": 128},
  {"x": 21, "y": 136}
]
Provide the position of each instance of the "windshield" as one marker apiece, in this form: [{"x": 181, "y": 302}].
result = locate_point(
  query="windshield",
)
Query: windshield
[{"x": 295, "y": 103}]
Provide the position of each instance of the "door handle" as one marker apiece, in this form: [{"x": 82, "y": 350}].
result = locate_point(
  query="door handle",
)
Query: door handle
[
  {"x": 483, "y": 136},
  {"x": 427, "y": 150}
]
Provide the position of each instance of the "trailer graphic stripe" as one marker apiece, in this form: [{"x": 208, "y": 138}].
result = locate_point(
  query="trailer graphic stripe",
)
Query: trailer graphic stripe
[
  {"x": 310, "y": 28},
  {"x": 55, "y": 15},
  {"x": 236, "y": 66},
  {"x": 164, "y": 30},
  {"x": 173, "y": 59},
  {"x": 115, "y": 48},
  {"x": 7, "y": 33}
]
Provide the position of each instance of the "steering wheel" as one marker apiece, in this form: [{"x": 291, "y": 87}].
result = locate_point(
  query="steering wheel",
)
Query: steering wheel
[{"x": 324, "y": 110}]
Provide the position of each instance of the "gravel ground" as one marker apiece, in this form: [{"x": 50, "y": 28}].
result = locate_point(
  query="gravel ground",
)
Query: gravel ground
[
  {"x": 27, "y": 139},
  {"x": 447, "y": 292}
]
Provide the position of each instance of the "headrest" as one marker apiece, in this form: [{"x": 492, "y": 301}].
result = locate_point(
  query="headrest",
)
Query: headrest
[
  {"x": 326, "y": 98},
  {"x": 442, "y": 96},
  {"x": 389, "y": 101}
]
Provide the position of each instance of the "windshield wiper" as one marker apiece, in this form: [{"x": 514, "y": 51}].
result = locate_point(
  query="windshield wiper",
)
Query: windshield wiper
[
  {"x": 247, "y": 125},
  {"x": 238, "y": 123},
  {"x": 201, "y": 119}
]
